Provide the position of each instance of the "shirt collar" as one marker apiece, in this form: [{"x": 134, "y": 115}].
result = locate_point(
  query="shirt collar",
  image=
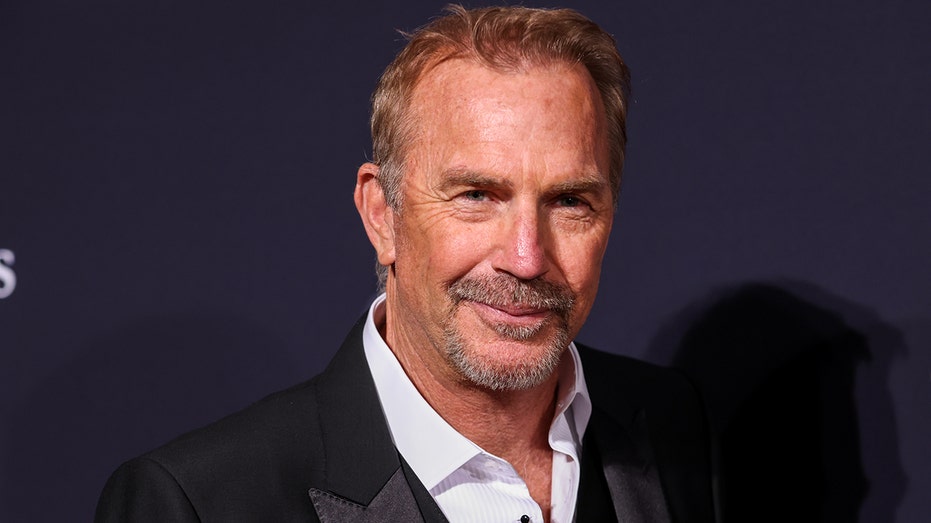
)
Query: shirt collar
[{"x": 432, "y": 447}]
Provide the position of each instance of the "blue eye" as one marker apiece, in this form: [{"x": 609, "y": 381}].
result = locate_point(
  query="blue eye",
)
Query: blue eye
[
  {"x": 569, "y": 201},
  {"x": 476, "y": 195}
]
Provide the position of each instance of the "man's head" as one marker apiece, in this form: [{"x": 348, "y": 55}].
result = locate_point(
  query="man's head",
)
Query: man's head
[
  {"x": 496, "y": 230},
  {"x": 504, "y": 39}
]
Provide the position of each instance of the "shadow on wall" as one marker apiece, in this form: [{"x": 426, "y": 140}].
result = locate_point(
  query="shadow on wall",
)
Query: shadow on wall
[
  {"x": 779, "y": 366},
  {"x": 125, "y": 394}
]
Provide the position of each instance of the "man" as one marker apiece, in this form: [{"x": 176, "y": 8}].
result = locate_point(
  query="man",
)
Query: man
[{"x": 499, "y": 138}]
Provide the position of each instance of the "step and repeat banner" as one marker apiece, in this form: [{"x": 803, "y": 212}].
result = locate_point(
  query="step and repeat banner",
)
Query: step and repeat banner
[{"x": 178, "y": 238}]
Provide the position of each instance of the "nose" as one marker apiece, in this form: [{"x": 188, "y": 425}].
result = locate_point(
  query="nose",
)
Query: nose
[{"x": 522, "y": 242}]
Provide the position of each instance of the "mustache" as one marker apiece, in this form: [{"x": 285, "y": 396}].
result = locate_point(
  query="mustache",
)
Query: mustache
[{"x": 503, "y": 290}]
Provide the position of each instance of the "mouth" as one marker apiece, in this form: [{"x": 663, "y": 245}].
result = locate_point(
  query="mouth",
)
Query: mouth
[
  {"x": 514, "y": 309},
  {"x": 512, "y": 314}
]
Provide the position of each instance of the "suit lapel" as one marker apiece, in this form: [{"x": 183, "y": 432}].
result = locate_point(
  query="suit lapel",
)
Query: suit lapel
[
  {"x": 620, "y": 435},
  {"x": 394, "y": 502},
  {"x": 630, "y": 472},
  {"x": 362, "y": 478}
]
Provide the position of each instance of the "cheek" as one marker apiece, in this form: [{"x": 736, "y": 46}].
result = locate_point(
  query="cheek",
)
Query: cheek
[
  {"x": 580, "y": 259},
  {"x": 585, "y": 279},
  {"x": 583, "y": 276},
  {"x": 442, "y": 252}
]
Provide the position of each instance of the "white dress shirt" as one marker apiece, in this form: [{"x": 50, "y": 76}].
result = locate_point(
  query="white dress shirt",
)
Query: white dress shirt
[{"x": 468, "y": 483}]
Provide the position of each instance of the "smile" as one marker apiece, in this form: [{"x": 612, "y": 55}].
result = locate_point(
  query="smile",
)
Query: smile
[{"x": 514, "y": 314}]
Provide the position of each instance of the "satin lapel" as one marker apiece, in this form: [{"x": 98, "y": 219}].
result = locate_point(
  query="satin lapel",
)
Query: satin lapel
[
  {"x": 394, "y": 502},
  {"x": 629, "y": 468},
  {"x": 362, "y": 478}
]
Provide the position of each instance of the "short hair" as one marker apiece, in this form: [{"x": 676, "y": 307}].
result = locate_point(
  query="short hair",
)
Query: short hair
[{"x": 504, "y": 39}]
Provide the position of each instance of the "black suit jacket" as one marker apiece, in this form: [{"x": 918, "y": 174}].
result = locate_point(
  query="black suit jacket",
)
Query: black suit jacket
[{"x": 322, "y": 451}]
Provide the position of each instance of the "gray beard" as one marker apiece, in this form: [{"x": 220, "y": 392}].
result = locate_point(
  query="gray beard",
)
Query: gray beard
[{"x": 504, "y": 290}]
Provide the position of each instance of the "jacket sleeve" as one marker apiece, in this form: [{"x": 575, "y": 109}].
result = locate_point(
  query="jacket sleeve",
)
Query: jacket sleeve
[{"x": 142, "y": 490}]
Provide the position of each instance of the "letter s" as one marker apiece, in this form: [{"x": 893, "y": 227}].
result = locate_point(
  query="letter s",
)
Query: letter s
[{"x": 7, "y": 276}]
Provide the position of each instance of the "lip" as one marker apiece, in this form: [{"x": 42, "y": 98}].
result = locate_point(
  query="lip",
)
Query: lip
[{"x": 512, "y": 314}]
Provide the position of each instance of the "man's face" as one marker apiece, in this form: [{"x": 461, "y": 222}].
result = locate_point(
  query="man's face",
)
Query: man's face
[{"x": 505, "y": 219}]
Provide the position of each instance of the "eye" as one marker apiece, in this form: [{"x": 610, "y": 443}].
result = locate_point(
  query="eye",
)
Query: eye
[
  {"x": 568, "y": 200},
  {"x": 475, "y": 195}
]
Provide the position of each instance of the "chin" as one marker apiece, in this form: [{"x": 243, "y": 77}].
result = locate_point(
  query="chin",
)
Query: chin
[{"x": 504, "y": 363}]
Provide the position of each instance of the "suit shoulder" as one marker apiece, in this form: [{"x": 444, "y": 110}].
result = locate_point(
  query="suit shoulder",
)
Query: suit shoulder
[
  {"x": 143, "y": 490},
  {"x": 265, "y": 427},
  {"x": 271, "y": 447},
  {"x": 254, "y": 464},
  {"x": 612, "y": 374}
]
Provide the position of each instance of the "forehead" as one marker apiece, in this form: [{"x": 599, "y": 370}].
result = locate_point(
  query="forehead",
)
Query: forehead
[
  {"x": 463, "y": 84},
  {"x": 550, "y": 111}
]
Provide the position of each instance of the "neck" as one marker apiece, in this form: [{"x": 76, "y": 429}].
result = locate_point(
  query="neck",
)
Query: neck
[
  {"x": 506, "y": 423},
  {"x": 513, "y": 425}
]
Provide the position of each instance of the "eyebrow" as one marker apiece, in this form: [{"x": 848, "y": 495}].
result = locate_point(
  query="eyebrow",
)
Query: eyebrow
[
  {"x": 591, "y": 182},
  {"x": 469, "y": 178}
]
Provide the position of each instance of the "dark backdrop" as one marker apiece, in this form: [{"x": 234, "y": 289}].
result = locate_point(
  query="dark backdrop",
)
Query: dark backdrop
[{"x": 175, "y": 208}]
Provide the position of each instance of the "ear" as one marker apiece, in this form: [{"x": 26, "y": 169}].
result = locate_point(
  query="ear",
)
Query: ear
[{"x": 377, "y": 216}]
